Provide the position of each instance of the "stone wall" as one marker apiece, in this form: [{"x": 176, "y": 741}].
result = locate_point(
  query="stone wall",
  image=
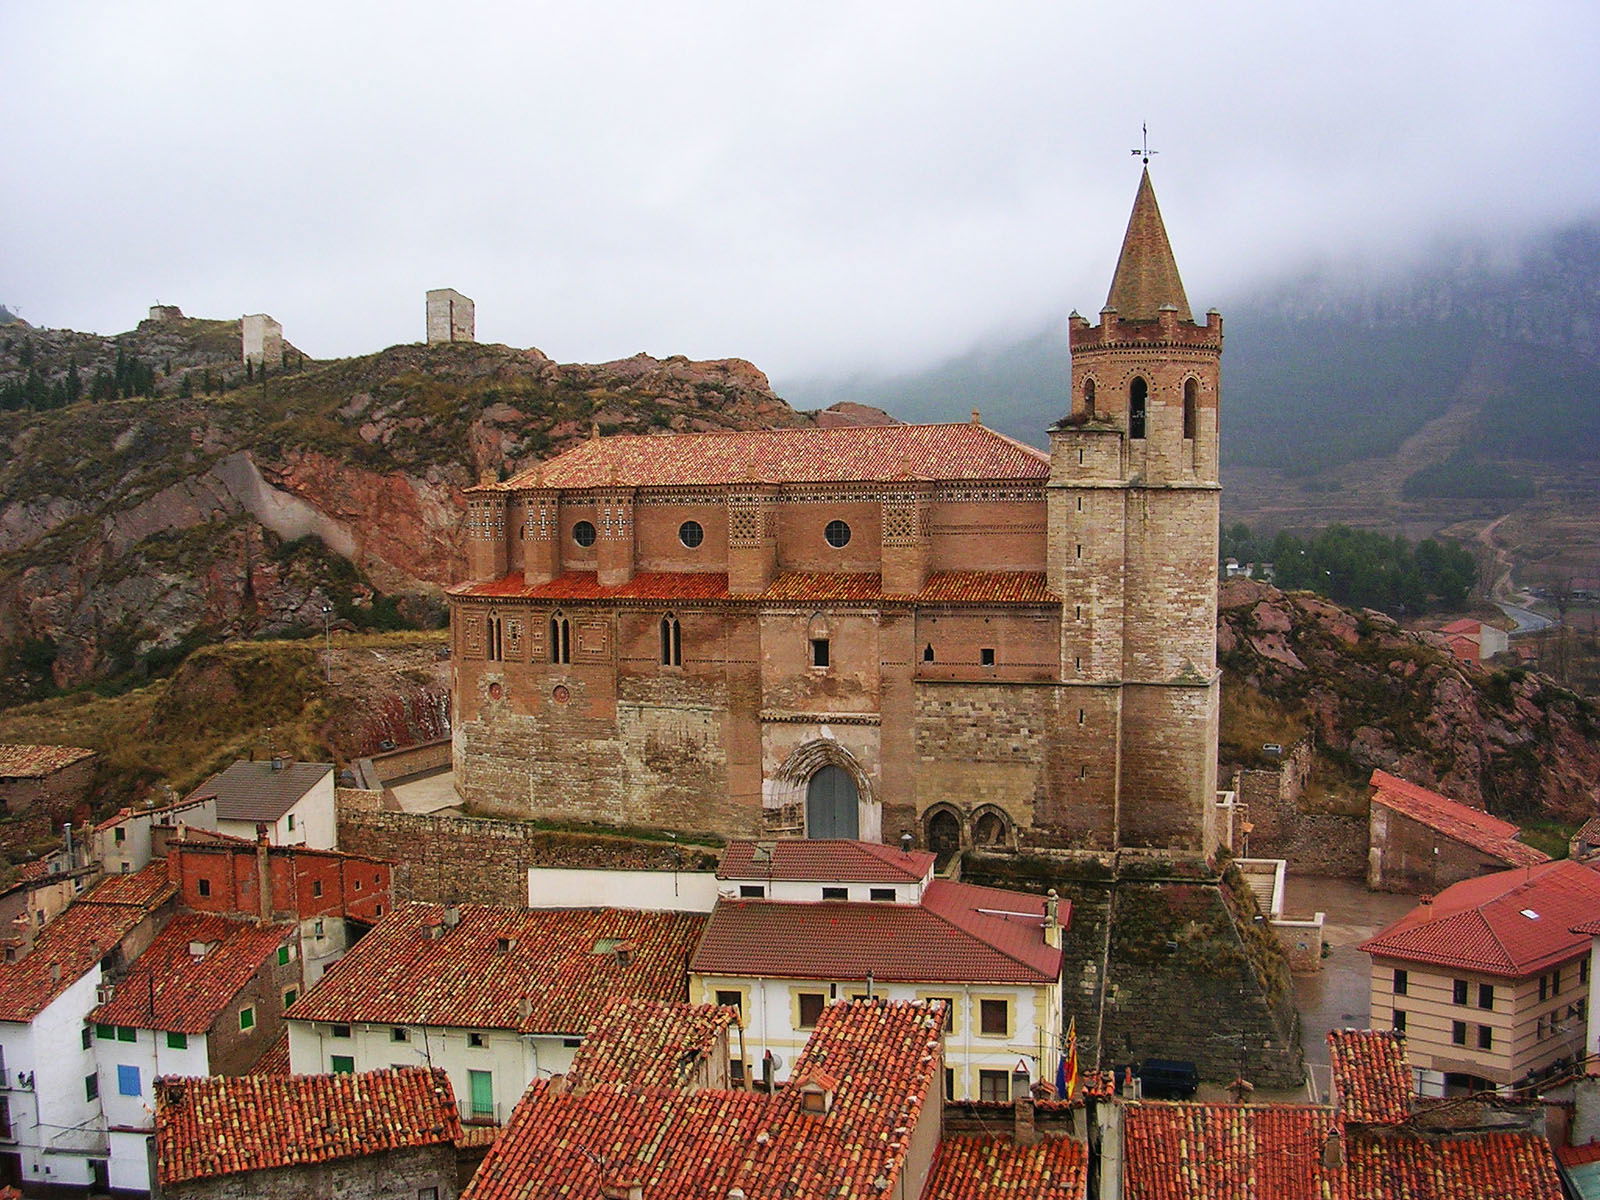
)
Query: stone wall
[
  {"x": 476, "y": 860},
  {"x": 53, "y": 793},
  {"x": 1404, "y": 855},
  {"x": 377, "y": 1176},
  {"x": 261, "y": 340},
  {"x": 1316, "y": 843}
]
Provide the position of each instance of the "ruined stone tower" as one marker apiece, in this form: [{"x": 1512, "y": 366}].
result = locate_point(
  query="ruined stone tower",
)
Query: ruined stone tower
[
  {"x": 1133, "y": 499},
  {"x": 261, "y": 340},
  {"x": 452, "y": 317}
]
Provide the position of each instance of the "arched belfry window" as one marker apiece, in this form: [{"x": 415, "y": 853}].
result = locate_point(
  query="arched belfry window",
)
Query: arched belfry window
[
  {"x": 1191, "y": 408},
  {"x": 1088, "y": 398},
  {"x": 671, "y": 642},
  {"x": 1138, "y": 399},
  {"x": 560, "y": 639},
  {"x": 496, "y": 642}
]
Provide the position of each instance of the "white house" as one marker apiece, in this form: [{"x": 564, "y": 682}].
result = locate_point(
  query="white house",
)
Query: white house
[
  {"x": 800, "y": 924},
  {"x": 294, "y": 800},
  {"x": 494, "y": 995},
  {"x": 126, "y": 842}
]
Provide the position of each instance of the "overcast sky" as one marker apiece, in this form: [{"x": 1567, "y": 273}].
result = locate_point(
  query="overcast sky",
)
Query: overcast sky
[{"x": 818, "y": 187}]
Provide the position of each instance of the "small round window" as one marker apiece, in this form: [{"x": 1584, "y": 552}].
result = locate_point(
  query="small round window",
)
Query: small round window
[
  {"x": 583, "y": 533},
  {"x": 837, "y": 533},
  {"x": 691, "y": 534}
]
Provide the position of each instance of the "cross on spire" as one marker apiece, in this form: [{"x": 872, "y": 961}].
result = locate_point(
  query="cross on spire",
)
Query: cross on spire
[{"x": 1145, "y": 152}]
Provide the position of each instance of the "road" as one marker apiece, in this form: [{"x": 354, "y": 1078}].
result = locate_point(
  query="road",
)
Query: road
[{"x": 1527, "y": 620}]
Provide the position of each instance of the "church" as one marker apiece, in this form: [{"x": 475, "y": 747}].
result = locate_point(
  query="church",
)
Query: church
[{"x": 870, "y": 632}]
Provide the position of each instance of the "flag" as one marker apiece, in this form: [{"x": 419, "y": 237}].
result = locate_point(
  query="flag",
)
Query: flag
[{"x": 1067, "y": 1072}]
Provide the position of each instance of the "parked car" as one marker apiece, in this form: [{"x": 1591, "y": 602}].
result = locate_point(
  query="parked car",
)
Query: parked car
[{"x": 1168, "y": 1079}]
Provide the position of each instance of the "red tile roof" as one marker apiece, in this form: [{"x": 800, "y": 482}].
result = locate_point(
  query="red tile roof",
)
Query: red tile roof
[
  {"x": 1371, "y": 1078},
  {"x": 1472, "y": 826},
  {"x": 275, "y": 1060},
  {"x": 148, "y": 887},
  {"x": 1388, "y": 1165},
  {"x": 1484, "y": 924},
  {"x": 650, "y": 1043},
  {"x": 942, "y": 587},
  {"x": 34, "y": 762},
  {"x": 959, "y": 933},
  {"x": 1227, "y": 1152},
  {"x": 550, "y": 979},
  {"x": 222, "y": 1126},
  {"x": 884, "y": 1056},
  {"x": 846, "y": 454},
  {"x": 124, "y": 814},
  {"x": 821, "y": 860},
  {"x": 990, "y": 1168},
  {"x": 1578, "y": 1156},
  {"x": 170, "y": 989},
  {"x": 66, "y": 949}
]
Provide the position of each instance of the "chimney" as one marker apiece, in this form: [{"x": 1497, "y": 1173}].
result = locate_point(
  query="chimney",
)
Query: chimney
[
  {"x": 1332, "y": 1150},
  {"x": 905, "y": 843},
  {"x": 525, "y": 1008},
  {"x": 1052, "y": 923},
  {"x": 55, "y": 972},
  {"x": 1022, "y": 1129},
  {"x": 452, "y": 915},
  {"x": 277, "y": 762},
  {"x": 1241, "y": 1089},
  {"x": 263, "y": 879}
]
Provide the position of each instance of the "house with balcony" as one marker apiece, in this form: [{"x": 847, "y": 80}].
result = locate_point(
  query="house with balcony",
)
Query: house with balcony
[
  {"x": 802, "y": 924},
  {"x": 1489, "y": 980}
]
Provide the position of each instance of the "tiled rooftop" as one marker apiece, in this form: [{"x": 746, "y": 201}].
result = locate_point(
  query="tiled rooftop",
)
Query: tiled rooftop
[
  {"x": 124, "y": 814},
  {"x": 1455, "y": 820},
  {"x": 148, "y": 887},
  {"x": 883, "y": 1057},
  {"x": 253, "y": 791},
  {"x": 948, "y": 938},
  {"x": 649, "y": 1043},
  {"x": 171, "y": 989},
  {"x": 1371, "y": 1079},
  {"x": 838, "y": 587},
  {"x": 991, "y": 1168},
  {"x": 1578, "y": 1156},
  {"x": 222, "y": 1126},
  {"x": 275, "y": 1061},
  {"x": 66, "y": 949},
  {"x": 1511, "y": 923},
  {"x": 35, "y": 762},
  {"x": 1228, "y": 1152},
  {"x": 846, "y": 454},
  {"x": 801, "y": 860},
  {"x": 1388, "y": 1165},
  {"x": 555, "y": 974}
]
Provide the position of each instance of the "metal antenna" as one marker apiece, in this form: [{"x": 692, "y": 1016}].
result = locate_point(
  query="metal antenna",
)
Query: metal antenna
[{"x": 1145, "y": 152}]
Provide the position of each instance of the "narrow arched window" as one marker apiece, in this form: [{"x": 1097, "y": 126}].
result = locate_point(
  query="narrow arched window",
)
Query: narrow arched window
[
  {"x": 671, "y": 642},
  {"x": 1191, "y": 408},
  {"x": 1088, "y": 398},
  {"x": 927, "y": 652},
  {"x": 560, "y": 639},
  {"x": 496, "y": 646},
  {"x": 1138, "y": 398}
]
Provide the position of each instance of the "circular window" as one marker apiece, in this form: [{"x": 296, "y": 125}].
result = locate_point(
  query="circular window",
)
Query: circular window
[
  {"x": 837, "y": 533},
  {"x": 496, "y": 691},
  {"x": 691, "y": 534},
  {"x": 560, "y": 694},
  {"x": 583, "y": 533}
]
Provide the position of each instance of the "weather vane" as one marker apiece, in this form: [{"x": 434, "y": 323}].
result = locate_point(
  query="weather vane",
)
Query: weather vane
[{"x": 1146, "y": 152}]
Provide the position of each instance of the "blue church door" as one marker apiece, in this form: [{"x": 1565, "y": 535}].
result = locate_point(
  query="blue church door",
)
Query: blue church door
[{"x": 831, "y": 805}]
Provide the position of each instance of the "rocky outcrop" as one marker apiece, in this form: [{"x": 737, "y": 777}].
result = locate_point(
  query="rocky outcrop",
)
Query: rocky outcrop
[{"x": 1376, "y": 696}]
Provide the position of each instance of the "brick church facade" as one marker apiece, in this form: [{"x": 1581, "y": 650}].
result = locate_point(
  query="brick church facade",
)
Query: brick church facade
[{"x": 865, "y": 632}]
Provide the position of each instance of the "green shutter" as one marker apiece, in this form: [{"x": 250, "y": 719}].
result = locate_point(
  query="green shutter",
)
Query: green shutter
[
  {"x": 126, "y": 1033},
  {"x": 247, "y": 1018},
  {"x": 342, "y": 1064},
  {"x": 105, "y": 1032}
]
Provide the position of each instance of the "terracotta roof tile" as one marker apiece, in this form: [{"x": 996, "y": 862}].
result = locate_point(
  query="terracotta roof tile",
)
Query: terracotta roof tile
[
  {"x": 948, "y": 938},
  {"x": 991, "y": 1168},
  {"x": 846, "y": 454},
  {"x": 1388, "y": 1165},
  {"x": 1371, "y": 1078},
  {"x": 821, "y": 860},
  {"x": 148, "y": 887},
  {"x": 124, "y": 814},
  {"x": 253, "y": 791},
  {"x": 33, "y": 762},
  {"x": 1455, "y": 820},
  {"x": 222, "y": 1126},
  {"x": 66, "y": 949},
  {"x": 1146, "y": 277},
  {"x": 170, "y": 989},
  {"x": 839, "y": 587},
  {"x": 585, "y": 585},
  {"x": 1227, "y": 1152},
  {"x": 884, "y": 1056},
  {"x": 275, "y": 1061},
  {"x": 649, "y": 1043},
  {"x": 1484, "y": 924},
  {"x": 548, "y": 979},
  {"x": 1578, "y": 1156}
]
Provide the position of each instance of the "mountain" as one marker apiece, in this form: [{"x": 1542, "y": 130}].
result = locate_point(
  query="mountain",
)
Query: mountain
[{"x": 229, "y": 504}]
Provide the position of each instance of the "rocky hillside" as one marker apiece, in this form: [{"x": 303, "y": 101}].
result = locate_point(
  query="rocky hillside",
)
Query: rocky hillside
[
  {"x": 134, "y": 529},
  {"x": 1374, "y": 695}
]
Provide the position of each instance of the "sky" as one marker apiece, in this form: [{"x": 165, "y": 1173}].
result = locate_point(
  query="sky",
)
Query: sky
[{"x": 822, "y": 188}]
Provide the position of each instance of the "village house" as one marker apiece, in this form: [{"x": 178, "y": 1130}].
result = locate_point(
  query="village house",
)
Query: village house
[
  {"x": 804, "y": 923},
  {"x": 294, "y": 800},
  {"x": 50, "y": 1105},
  {"x": 871, "y": 631},
  {"x": 1473, "y": 641},
  {"x": 374, "y": 1136},
  {"x": 206, "y": 998},
  {"x": 1420, "y": 841},
  {"x": 126, "y": 841},
  {"x": 51, "y": 778},
  {"x": 495, "y": 996},
  {"x": 40, "y": 891},
  {"x": 1488, "y": 981}
]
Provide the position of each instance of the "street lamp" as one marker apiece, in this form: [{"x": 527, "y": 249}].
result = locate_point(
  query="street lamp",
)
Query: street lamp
[{"x": 327, "y": 641}]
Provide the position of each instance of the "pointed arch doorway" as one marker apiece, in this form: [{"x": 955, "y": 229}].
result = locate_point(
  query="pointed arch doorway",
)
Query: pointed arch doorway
[{"x": 832, "y": 804}]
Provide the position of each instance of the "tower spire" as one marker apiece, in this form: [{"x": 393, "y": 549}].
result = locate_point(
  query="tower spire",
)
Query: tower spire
[{"x": 1147, "y": 274}]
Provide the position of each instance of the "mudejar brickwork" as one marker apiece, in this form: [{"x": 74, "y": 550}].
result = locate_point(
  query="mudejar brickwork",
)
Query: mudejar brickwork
[{"x": 871, "y": 631}]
